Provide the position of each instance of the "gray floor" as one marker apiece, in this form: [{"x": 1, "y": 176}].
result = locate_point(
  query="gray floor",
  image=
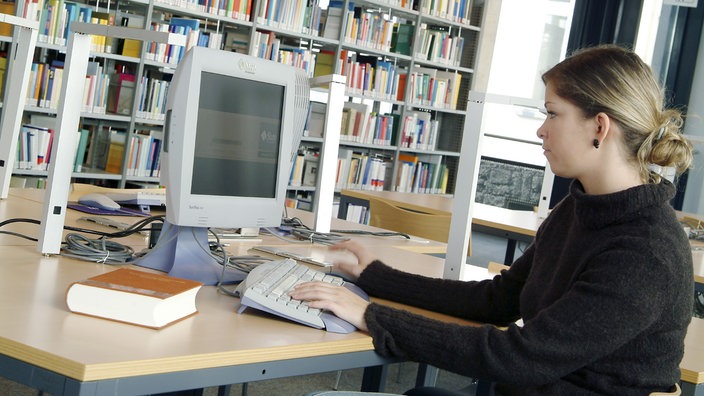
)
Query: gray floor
[{"x": 401, "y": 377}]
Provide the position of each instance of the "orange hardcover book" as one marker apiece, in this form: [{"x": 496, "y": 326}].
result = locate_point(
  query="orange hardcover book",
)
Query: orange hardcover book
[{"x": 134, "y": 296}]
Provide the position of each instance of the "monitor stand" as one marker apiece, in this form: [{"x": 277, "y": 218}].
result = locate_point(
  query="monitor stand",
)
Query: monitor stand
[{"x": 184, "y": 252}]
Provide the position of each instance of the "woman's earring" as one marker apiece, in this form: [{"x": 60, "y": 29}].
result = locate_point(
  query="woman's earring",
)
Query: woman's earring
[{"x": 596, "y": 143}]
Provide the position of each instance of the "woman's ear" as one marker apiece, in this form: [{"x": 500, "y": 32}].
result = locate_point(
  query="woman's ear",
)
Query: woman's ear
[{"x": 603, "y": 126}]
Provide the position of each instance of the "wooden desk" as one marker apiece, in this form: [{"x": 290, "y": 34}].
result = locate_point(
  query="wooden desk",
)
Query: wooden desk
[
  {"x": 47, "y": 347},
  {"x": 514, "y": 225}
]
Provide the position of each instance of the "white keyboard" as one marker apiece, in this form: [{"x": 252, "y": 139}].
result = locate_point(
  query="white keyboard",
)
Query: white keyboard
[{"x": 266, "y": 288}]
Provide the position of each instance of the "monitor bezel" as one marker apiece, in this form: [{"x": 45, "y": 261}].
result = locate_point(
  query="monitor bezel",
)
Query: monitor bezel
[{"x": 184, "y": 208}]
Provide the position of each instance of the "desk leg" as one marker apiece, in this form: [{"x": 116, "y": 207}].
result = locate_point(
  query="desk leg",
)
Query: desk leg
[
  {"x": 690, "y": 389},
  {"x": 510, "y": 250},
  {"x": 427, "y": 375},
  {"x": 374, "y": 378}
]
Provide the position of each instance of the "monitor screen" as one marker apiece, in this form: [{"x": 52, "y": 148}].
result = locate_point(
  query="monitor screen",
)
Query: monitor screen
[{"x": 238, "y": 137}]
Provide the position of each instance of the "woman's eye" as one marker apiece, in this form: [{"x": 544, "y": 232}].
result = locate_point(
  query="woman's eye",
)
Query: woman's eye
[{"x": 547, "y": 113}]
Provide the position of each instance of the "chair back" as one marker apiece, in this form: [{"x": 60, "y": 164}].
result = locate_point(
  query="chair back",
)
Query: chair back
[
  {"x": 386, "y": 215},
  {"x": 676, "y": 391}
]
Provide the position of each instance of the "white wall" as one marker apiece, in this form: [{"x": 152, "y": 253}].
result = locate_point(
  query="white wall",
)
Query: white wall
[{"x": 693, "y": 201}]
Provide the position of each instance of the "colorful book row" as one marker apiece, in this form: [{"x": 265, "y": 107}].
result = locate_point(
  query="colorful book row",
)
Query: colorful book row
[
  {"x": 418, "y": 176},
  {"x": 438, "y": 45},
  {"x": 34, "y": 147},
  {"x": 144, "y": 158},
  {"x": 370, "y": 29},
  {"x": 55, "y": 20},
  {"x": 45, "y": 82},
  {"x": 172, "y": 54},
  {"x": 362, "y": 171},
  {"x": 298, "y": 16},
  {"x": 459, "y": 11},
  {"x": 267, "y": 46},
  {"x": 361, "y": 125},
  {"x": 152, "y": 94},
  {"x": 372, "y": 77},
  {"x": 435, "y": 88},
  {"x": 419, "y": 131},
  {"x": 235, "y": 9}
]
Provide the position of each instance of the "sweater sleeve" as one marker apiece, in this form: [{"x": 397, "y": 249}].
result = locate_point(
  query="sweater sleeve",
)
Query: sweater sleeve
[{"x": 491, "y": 301}]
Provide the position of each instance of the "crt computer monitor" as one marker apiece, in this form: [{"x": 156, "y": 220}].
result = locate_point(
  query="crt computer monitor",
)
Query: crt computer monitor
[{"x": 232, "y": 129}]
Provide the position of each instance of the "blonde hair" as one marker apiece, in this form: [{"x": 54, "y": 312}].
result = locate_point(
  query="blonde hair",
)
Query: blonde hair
[{"x": 615, "y": 81}]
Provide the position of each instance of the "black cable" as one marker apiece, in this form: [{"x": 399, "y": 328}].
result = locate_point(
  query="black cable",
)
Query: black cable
[
  {"x": 99, "y": 250},
  {"x": 134, "y": 228},
  {"x": 325, "y": 238},
  {"x": 373, "y": 233}
]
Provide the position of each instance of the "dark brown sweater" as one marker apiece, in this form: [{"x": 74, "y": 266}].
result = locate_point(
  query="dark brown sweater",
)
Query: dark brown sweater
[{"x": 605, "y": 293}]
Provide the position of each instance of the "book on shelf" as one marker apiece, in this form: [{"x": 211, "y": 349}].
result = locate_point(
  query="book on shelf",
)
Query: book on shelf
[
  {"x": 81, "y": 147},
  {"x": 344, "y": 158},
  {"x": 311, "y": 164},
  {"x": 236, "y": 41},
  {"x": 402, "y": 38},
  {"x": 121, "y": 93},
  {"x": 316, "y": 120},
  {"x": 95, "y": 91},
  {"x": 31, "y": 9},
  {"x": 300, "y": 201},
  {"x": 6, "y": 7},
  {"x": 3, "y": 68},
  {"x": 405, "y": 171},
  {"x": 104, "y": 140},
  {"x": 357, "y": 213},
  {"x": 333, "y": 18},
  {"x": 188, "y": 27},
  {"x": 116, "y": 151},
  {"x": 448, "y": 97},
  {"x": 324, "y": 63},
  {"x": 130, "y": 47},
  {"x": 143, "y": 160},
  {"x": 134, "y": 296},
  {"x": 421, "y": 85},
  {"x": 296, "y": 177},
  {"x": 357, "y": 116},
  {"x": 34, "y": 147}
]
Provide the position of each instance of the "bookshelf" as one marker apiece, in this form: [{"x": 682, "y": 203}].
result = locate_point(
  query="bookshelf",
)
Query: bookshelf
[{"x": 409, "y": 71}]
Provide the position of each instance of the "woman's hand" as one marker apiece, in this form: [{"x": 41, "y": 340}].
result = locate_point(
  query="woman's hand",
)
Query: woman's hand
[
  {"x": 350, "y": 269},
  {"x": 337, "y": 299}
]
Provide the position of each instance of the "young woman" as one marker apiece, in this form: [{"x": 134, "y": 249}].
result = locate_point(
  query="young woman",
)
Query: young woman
[{"x": 604, "y": 291}]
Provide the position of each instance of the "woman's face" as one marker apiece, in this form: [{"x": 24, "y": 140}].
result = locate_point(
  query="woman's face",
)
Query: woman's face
[{"x": 567, "y": 136}]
